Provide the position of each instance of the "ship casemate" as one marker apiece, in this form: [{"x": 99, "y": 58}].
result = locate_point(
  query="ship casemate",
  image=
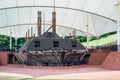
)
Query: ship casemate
[
  {"x": 48, "y": 42},
  {"x": 39, "y": 44}
]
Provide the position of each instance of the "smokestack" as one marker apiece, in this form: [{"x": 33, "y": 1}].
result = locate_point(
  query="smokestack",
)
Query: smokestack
[
  {"x": 26, "y": 38},
  {"x": 28, "y": 34},
  {"x": 31, "y": 32},
  {"x": 34, "y": 35},
  {"x": 39, "y": 23},
  {"x": 70, "y": 34},
  {"x": 54, "y": 22},
  {"x": 74, "y": 33}
]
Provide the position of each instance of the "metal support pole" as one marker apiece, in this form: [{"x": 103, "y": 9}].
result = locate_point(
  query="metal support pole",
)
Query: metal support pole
[
  {"x": 44, "y": 24},
  {"x": 28, "y": 34},
  {"x": 10, "y": 38},
  {"x": 118, "y": 36},
  {"x": 118, "y": 23},
  {"x": 16, "y": 41},
  {"x": 97, "y": 41},
  {"x": 31, "y": 32},
  {"x": 87, "y": 27}
]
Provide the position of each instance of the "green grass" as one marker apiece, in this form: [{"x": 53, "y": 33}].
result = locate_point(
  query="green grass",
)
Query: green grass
[
  {"x": 102, "y": 41},
  {"x": 15, "y": 78},
  {"x": 20, "y": 78}
]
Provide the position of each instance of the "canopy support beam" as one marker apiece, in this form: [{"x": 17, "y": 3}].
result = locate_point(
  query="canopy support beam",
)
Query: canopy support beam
[
  {"x": 87, "y": 27},
  {"x": 10, "y": 39},
  {"x": 59, "y": 7},
  {"x": 118, "y": 36},
  {"x": 118, "y": 23}
]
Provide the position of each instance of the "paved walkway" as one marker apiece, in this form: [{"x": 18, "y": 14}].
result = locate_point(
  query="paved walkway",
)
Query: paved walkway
[{"x": 74, "y": 72}]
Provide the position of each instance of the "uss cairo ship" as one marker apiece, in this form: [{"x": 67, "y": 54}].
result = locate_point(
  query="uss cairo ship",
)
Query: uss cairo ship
[{"x": 49, "y": 49}]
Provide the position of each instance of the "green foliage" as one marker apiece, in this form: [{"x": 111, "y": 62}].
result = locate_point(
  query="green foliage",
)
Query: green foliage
[
  {"x": 92, "y": 38},
  {"x": 111, "y": 39},
  {"x": 5, "y": 42},
  {"x": 111, "y": 33},
  {"x": 81, "y": 38},
  {"x": 68, "y": 37},
  {"x": 107, "y": 34},
  {"x": 20, "y": 41},
  {"x": 27, "y": 79}
]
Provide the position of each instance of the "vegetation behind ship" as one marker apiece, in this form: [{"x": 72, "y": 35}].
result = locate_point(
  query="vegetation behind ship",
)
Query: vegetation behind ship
[{"x": 5, "y": 40}]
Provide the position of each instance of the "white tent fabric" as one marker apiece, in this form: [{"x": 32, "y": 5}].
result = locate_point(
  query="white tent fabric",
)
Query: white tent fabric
[{"x": 18, "y": 16}]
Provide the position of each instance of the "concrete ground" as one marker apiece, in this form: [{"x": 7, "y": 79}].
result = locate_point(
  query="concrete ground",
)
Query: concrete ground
[{"x": 71, "y": 72}]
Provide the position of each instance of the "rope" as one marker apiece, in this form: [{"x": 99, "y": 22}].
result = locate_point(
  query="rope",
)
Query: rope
[
  {"x": 30, "y": 14},
  {"x": 107, "y": 22},
  {"x": 76, "y": 14},
  {"x": 65, "y": 12},
  {"x": 64, "y": 18},
  {"x": 14, "y": 27},
  {"x": 51, "y": 2},
  {"x": 95, "y": 19},
  {"x": 18, "y": 12},
  {"x": 31, "y": 10},
  {"x": 18, "y": 16},
  {"x": 84, "y": 5},
  {"x": 7, "y": 21},
  {"x": 93, "y": 26},
  {"x": 74, "y": 19},
  {"x": 100, "y": 6},
  {"x": 96, "y": 13}
]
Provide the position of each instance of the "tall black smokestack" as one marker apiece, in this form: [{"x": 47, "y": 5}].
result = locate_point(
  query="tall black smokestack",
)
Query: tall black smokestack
[
  {"x": 54, "y": 20},
  {"x": 39, "y": 23},
  {"x": 31, "y": 32}
]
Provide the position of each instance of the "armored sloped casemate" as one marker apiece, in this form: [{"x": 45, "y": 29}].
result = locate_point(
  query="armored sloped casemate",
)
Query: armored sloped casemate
[{"x": 50, "y": 49}]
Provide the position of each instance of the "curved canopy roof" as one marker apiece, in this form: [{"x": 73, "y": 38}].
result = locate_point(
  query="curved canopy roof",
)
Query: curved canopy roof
[{"x": 96, "y": 17}]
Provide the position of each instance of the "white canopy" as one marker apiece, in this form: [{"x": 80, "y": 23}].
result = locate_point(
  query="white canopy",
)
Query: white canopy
[{"x": 96, "y": 17}]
